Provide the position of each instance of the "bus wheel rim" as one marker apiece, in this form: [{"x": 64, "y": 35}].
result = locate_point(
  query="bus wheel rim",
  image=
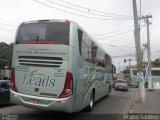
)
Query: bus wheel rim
[{"x": 91, "y": 101}]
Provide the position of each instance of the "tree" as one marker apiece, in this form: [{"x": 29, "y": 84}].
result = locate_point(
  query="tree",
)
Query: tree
[
  {"x": 5, "y": 54},
  {"x": 156, "y": 63}
]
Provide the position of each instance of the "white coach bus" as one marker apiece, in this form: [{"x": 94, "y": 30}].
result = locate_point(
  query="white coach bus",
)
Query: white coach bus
[
  {"x": 131, "y": 76},
  {"x": 155, "y": 77},
  {"x": 57, "y": 66}
]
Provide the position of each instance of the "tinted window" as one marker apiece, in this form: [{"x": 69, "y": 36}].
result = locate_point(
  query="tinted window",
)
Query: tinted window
[
  {"x": 57, "y": 32},
  {"x": 127, "y": 71},
  {"x": 80, "y": 39},
  {"x": 155, "y": 72},
  {"x": 5, "y": 78},
  {"x": 91, "y": 52},
  {"x": 134, "y": 72},
  {"x": 85, "y": 46}
]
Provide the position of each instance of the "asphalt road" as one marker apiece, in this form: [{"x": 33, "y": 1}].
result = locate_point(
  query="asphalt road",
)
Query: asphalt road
[{"x": 115, "y": 104}]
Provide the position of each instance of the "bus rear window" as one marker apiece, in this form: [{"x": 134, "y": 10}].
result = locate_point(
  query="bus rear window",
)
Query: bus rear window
[
  {"x": 155, "y": 72},
  {"x": 57, "y": 32}
]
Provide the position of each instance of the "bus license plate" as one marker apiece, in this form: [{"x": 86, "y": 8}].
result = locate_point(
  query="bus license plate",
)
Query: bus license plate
[{"x": 35, "y": 101}]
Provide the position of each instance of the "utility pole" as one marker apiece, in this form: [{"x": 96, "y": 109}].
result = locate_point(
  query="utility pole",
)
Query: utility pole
[
  {"x": 129, "y": 62},
  {"x": 119, "y": 66},
  {"x": 140, "y": 77},
  {"x": 149, "y": 51},
  {"x": 149, "y": 54}
]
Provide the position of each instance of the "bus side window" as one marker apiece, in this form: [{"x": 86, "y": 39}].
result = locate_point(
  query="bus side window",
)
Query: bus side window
[
  {"x": 85, "y": 46},
  {"x": 80, "y": 33},
  {"x": 94, "y": 51}
]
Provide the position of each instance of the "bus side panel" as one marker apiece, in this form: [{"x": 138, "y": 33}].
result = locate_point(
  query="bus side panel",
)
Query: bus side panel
[
  {"x": 83, "y": 85},
  {"x": 107, "y": 83},
  {"x": 75, "y": 66},
  {"x": 79, "y": 80},
  {"x": 79, "y": 68}
]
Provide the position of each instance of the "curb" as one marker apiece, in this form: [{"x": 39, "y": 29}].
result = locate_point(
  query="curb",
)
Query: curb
[{"x": 133, "y": 103}]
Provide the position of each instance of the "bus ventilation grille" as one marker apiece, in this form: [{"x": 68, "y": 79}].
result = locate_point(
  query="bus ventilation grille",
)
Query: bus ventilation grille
[{"x": 40, "y": 61}]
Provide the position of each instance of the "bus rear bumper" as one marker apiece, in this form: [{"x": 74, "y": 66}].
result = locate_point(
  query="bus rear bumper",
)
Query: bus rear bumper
[{"x": 41, "y": 103}]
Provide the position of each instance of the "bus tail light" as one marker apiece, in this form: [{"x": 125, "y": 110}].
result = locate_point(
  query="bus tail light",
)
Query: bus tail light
[
  {"x": 13, "y": 84},
  {"x": 67, "y": 21},
  {"x": 68, "y": 86}
]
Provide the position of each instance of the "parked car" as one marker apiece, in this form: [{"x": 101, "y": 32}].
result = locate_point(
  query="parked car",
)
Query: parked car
[
  {"x": 121, "y": 84},
  {"x": 4, "y": 91}
]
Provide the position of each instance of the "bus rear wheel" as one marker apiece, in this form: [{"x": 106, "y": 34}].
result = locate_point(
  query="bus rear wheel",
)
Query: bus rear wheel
[{"x": 91, "y": 102}]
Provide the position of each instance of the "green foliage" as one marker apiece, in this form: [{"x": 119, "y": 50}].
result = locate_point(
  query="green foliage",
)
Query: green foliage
[
  {"x": 156, "y": 63},
  {"x": 5, "y": 54}
]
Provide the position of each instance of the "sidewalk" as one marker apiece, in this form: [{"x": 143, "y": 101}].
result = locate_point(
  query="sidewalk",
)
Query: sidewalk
[{"x": 151, "y": 104}]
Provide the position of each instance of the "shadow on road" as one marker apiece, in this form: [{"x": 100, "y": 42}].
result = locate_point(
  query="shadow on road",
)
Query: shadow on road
[
  {"x": 6, "y": 105},
  {"x": 51, "y": 115},
  {"x": 100, "y": 101},
  {"x": 132, "y": 86},
  {"x": 47, "y": 115}
]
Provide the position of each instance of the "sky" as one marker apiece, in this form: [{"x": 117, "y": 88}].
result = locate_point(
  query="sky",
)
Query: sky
[{"x": 109, "y": 22}]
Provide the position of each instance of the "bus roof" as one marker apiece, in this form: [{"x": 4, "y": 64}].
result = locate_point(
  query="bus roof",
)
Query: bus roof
[
  {"x": 48, "y": 20},
  {"x": 155, "y": 68}
]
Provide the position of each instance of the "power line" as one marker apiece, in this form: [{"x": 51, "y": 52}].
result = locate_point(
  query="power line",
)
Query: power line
[
  {"x": 111, "y": 45},
  {"x": 120, "y": 45},
  {"x": 119, "y": 30},
  {"x": 20, "y": 14},
  {"x": 114, "y": 31},
  {"x": 122, "y": 56},
  {"x": 67, "y": 11},
  {"x": 121, "y": 48},
  {"x": 117, "y": 34},
  {"x": 8, "y": 21},
  {"x": 118, "y": 40},
  {"x": 83, "y": 11},
  {"x": 6, "y": 30},
  {"x": 76, "y": 13},
  {"x": 124, "y": 50},
  {"x": 7, "y": 24},
  {"x": 95, "y": 10}
]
